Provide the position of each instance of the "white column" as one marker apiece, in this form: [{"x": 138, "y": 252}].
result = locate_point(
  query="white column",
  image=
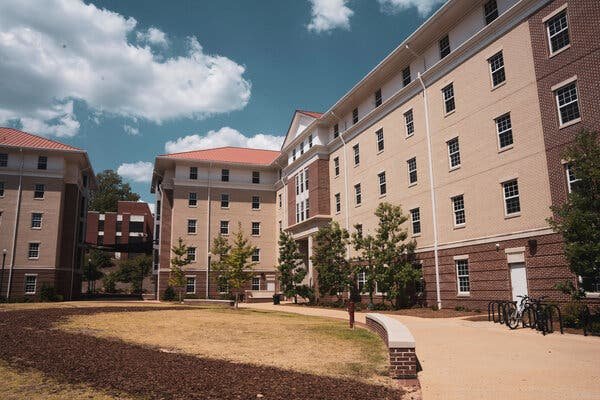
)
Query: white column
[{"x": 310, "y": 264}]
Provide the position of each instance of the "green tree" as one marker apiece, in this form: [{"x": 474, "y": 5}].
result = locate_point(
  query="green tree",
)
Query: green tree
[
  {"x": 578, "y": 219},
  {"x": 179, "y": 260},
  {"x": 134, "y": 270},
  {"x": 110, "y": 190},
  {"x": 365, "y": 261},
  {"x": 329, "y": 259},
  {"x": 92, "y": 268},
  {"x": 233, "y": 264},
  {"x": 290, "y": 267}
]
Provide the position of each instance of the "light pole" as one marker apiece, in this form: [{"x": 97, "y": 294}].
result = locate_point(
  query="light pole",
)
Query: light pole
[
  {"x": 4, "y": 251},
  {"x": 208, "y": 276}
]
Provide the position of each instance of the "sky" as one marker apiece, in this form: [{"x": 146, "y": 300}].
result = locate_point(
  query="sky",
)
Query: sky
[{"x": 128, "y": 80}]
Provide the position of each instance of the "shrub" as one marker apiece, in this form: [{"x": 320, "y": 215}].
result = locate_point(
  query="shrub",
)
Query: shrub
[
  {"x": 459, "y": 308},
  {"x": 48, "y": 293},
  {"x": 381, "y": 307},
  {"x": 169, "y": 294},
  {"x": 110, "y": 282},
  {"x": 571, "y": 314},
  {"x": 305, "y": 292},
  {"x": 435, "y": 307}
]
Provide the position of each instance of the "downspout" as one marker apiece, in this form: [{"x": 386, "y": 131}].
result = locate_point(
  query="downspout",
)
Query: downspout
[
  {"x": 208, "y": 232},
  {"x": 347, "y": 211},
  {"x": 16, "y": 226},
  {"x": 73, "y": 256},
  {"x": 432, "y": 193},
  {"x": 160, "y": 234}
]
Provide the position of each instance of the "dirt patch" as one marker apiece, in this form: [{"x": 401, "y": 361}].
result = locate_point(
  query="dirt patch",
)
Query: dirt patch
[
  {"x": 29, "y": 341},
  {"x": 411, "y": 312}
]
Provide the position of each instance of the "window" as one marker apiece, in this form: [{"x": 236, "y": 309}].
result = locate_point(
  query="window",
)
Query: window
[
  {"x": 224, "y": 175},
  {"x": 294, "y": 154},
  {"x": 571, "y": 178},
  {"x": 224, "y": 200},
  {"x": 355, "y": 115},
  {"x": 511, "y": 197},
  {"x": 255, "y": 177},
  {"x": 568, "y": 104},
  {"x": 256, "y": 202},
  {"x": 558, "y": 32},
  {"x": 3, "y": 159},
  {"x": 409, "y": 122},
  {"x": 490, "y": 11},
  {"x": 191, "y": 254},
  {"x": 297, "y": 212},
  {"x": 356, "y": 150},
  {"x": 297, "y": 180},
  {"x": 301, "y": 211},
  {"x": 504, "y": 128},
  {"x": 302, "y": 147},
  {"x": 336, "y": 130},
  {"x": 256, "y": 228},
  {"x": 36, "y": 220},
  {"x": 280, "y": 226},
  {"x": 378, "y": 99},
  {"x": 497, "y": 69},
  {"x": 306, "y": 179},
  {"x": 590, "y": 284},
  {"x": 42, "y": 162},
  {"x": 412, "y": 170},
  {"x": 406, "y": 79},
  {"x": 34, "y": 251},
  {"x": 1, "y": 189},
  {"x": 156, "y": 233},
  {"x": 30, "y": 284},
  {"x": 255, "y": 283},
  {"x": 382, "y": 183},
  {"x": 193, "y": 172},
  {"x": 191, "y": 226},
  {"x": 192, "y": 199},
  {"x": 448, "y": 92},
  {"x": 310, "y": 141},
  {"x": 444, "y": 46},
  {"x": 224, "y": 228},
  {"x": 359, "y": 230},
  {"x": 380, "y": 143},
  {"x": 458, "y": 205},
  {"x": 361, "y": 280},
  {"x": 415, "y": 218},
  {"x": 338, "y": 203},
  {"x": 158, "y": 204},
  {"x": 336, "y": 166},
  {"x": 256, "y": 255},
  {"x": 357, "y": 194},
  {"x": 453, "y": 153},
  {"x": 280, "y": 200},
  {"x": 190, "y": 285},
  {"x": 462, "y": 274},
  {"x": 38, "y": 192},
  {"x": 100, "y": 240}
]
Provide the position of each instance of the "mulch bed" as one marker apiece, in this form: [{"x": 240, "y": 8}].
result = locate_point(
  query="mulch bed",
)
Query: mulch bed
[{"x": 28, "y": 339}]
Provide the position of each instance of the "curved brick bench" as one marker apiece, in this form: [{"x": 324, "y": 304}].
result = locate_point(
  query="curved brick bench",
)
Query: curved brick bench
[{"x": 400, "y": 342}]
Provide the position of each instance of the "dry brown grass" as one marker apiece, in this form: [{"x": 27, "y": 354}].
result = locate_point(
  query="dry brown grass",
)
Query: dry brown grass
[
  {"x": 301, "y": 343},
  {"x": 32, "y": 385}
]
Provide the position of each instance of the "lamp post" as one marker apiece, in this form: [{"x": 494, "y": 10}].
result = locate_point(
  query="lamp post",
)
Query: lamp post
[
  {"x": 208, "y": 276},
  {"x": 4, "y": 251}
]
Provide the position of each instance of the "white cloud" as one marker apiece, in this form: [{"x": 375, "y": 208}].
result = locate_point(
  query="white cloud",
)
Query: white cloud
[
  {"x": 153, "y": 36},
  {"x": 131, "y": 130},
  {"x": 328, "y": 15},
  {"x": 140, "y": 171},
  {"x": 225, "y": 136},
  {"x": 424, "y": 7},
  {"x": 58, "y": 51}
]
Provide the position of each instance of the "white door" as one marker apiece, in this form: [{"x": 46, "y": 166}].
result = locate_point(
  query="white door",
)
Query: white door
[
  {"x": 271, "y": 286},
  {"x": 518, "y": 278}
]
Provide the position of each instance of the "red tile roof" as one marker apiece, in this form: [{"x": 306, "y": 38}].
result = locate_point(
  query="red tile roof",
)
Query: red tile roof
[
  {"x": 310, "y": 113},
  {"x": 16, "y": 138},
  {"x": 237, "y": 155}
]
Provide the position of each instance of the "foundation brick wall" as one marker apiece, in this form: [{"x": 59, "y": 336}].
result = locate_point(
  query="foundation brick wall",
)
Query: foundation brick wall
[{"x": 403, "y": 360}]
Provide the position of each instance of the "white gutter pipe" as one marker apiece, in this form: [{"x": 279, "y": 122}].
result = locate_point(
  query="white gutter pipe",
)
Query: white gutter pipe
[
  {"x": 16, "y": 226},
  {"x": 208, "y": 232}
]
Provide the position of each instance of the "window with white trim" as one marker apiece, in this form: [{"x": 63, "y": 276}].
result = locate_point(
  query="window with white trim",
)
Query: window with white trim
[
  {"x": 557, "y": 29},
  {"x": 191, "y": 226},
  {"x": 458, "y": 207},
  {"x": 568, "y": 103},
  {"x": 361, "y": 280},
  {"x": 379, "y": 138},
  {"x": 504, "y": 130},
  {"x": 355, "y": 115},
  {"x": 306, "y": 202},
  {"x": 190, "y": 285},
  {"x": 255, "y": 176},
  {"x": 462, "y": 276},
  {"x": 224, "y": 175},
  {"x": 224, "y": 200},
  {"x": 336, "y": 166},
  {"x": 453, "y": 153},
  {"x": 448, "y": 92},
  {"x": 571, "y": 177},
  {"x": 444, "y": 46},
  {"x": 256, "y": 255},
  {"x": 224, "y": 228},
  {"x": 496, "y": 63},
  {"x": 193, "y": 173},
  {"x": 39, "y": 191},
  {"x": 42, "y": 162},
  {"x": 294, "y": 154},
  {"x": 490, "y": 11},
  {"x": 406, "y": 78},
  {"x": 378, "y": 99},
  {"x": 409, "y": 122},
  {"x": 591, "y": 284},
  {"x": 192, "y": 199},
  {"x": 336, "y": 130},
  {"x": 256, "y": 202},
  {"x": 3, "y": 160},
  {"x": 415, "y": 218},
  {"x": 338, "y": 203},
  {"x": 191, "y": 254},
  {"x": 356, "y": 152},
  {"x": 412, "y": 170},
  {"x": 36, "y": 220},
  {"x": 255, "y": 283},
  {"x": 34, "y": 251},
  {"x": 255, "y": 228},
  {"x": 382, "y": 183},
  {"x": 512, "y": 203},
  {"x": 30, "y": 283},
  {"x": 310, "y": 141},
  {"x": 357, "y": 194}
]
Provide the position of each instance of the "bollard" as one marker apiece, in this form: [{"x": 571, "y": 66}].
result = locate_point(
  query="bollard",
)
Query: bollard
[{"x": 351, "y": 313}]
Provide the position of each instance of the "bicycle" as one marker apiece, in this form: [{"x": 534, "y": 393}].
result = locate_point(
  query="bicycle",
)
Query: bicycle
[{"x": 519, "y": 313}]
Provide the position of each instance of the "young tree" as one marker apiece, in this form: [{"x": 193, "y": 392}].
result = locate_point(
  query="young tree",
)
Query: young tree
[
  {"x": 233, "y": 265},
  {"x": 366, "y": 262},
  {"x": 93, "y": 265},
  {"x": 291, "y": 269},
  {"x": 110, "y": 190},
  {"x": 578, "y": 219},
  {"x": 178, "y": 262},
  {"x": 329, "y": 259},
  {"x": 134, "y": 270}
]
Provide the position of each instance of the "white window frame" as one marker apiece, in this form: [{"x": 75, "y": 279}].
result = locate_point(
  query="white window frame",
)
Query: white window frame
[
  {"x": 338, "y": 203},
  {"x": 192, "y": 197},
  {"x": 411, "y": 169},
  {"x": 413, "y": 221},
  {"x": 485, "y": 13},
  {"x": 224, "y": 224},
  {"x": 256, "y": 255},
  {"x": 40, "y": 220},
  {"x": 225, "y": 198},
  {"x": 35, "y": 191},
  {"x": 34, "y": 284},
  {"x": 192, "y": 222},
  {"x": 382, "y": 183},
  {"x": 257, "y": 228},
  {"x": 380, "y": 141},
  {"x": 518, "y": 196},
  {"x": 447, "y": 100},
  {"x": 409, "y": 124},
  {"x": 563, "y": 85},
  {"x": 546, "y": 20},
  {"x": 192, "y": 250},
  {"x": 255, "y": 202},
  {"x": 187, "y": 284},
  {"x": 356, "y": 154},
  {"x": 458, "y": 209},
  {"x": 336, "y": 166},
  {"x": 357, "y": 194},
  {"x": 458, "y": 260},
  {"x": 257, "y": 285},
  {"x": 37, "y": 250},
  {"x": 453, "y": 153},
  {"x": 571, "y": 178},
  {"x": 493, "y": 71},
  {"x": 361, "y": 279},
  {"x": 499, "y": 132}
]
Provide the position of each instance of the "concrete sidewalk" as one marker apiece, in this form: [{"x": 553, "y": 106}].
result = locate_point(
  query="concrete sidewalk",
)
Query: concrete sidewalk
[{"x": 481, "y": 360}]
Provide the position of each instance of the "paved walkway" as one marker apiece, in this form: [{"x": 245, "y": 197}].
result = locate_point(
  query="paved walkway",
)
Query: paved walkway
[{"x": 481, "y": 360}]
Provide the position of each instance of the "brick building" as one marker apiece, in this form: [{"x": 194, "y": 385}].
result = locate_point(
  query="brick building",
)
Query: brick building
[
  {"x": 463, "y": 125},
  {"x": 44, "y": 188}
]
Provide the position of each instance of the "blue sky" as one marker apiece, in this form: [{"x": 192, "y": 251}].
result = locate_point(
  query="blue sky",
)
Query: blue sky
[{"x": 122, "y": 78}]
